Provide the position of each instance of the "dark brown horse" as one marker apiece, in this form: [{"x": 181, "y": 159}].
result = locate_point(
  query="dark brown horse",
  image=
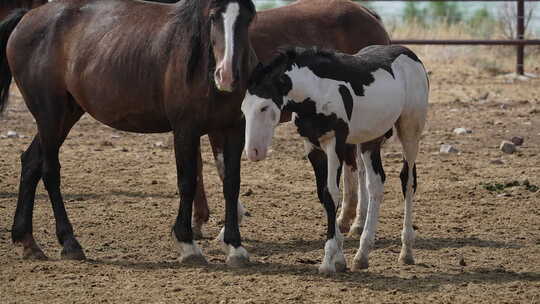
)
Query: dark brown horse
[
  {"x": 139, "y": 67},
  {"x": 332, "y": 24},
  {"x": 6, "y": 6}
]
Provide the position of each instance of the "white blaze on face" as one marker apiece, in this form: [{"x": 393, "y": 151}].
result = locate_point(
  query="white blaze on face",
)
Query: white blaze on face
[
  {"x": 262, "y": 117},
  {"x": 225, "y": 70}
]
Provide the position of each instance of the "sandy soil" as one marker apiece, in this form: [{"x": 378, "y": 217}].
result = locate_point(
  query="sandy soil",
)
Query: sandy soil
[{"x": 121, "y": 197}]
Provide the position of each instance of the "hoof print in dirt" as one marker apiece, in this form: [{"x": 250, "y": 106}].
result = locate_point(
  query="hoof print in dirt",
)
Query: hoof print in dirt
[
  {"x": 34, "y": 255},
  {"x": 193, "y": 260},
  {"x": 237, "y": 261}
]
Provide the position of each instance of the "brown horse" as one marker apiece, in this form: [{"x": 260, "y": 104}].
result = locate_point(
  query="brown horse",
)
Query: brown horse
[
  {"x": 332, "y": 24},
  {"x": 135, "y": 66},
  {"x": 6, "y": 6}
]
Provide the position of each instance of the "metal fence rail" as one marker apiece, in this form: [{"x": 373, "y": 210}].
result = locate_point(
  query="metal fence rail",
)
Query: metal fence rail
[{"x": 520, "y": 42}]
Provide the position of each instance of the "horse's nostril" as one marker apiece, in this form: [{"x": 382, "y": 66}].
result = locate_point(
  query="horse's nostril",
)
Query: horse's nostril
[
  {"x": 256, "y": 152},
  {"x": 219, "y": 74}
]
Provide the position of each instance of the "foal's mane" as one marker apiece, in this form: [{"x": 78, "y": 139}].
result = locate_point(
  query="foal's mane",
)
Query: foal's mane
[{"x": 285, "y": 57}]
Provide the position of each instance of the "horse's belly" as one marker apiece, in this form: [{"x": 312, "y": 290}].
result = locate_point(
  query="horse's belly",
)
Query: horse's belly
[
  {"x": 376, "y": 112},
  {"x": 137, "y": 123},
  {"x": 130, "y": 117}
]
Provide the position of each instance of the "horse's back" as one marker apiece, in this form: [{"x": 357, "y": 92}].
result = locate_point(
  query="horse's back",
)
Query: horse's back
[
  {"x": 97, "y": 51},
  {"x": 337, "y": 24}
]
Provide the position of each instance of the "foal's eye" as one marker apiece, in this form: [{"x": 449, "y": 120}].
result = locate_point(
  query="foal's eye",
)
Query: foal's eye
[{"x": 264, "y": 109}]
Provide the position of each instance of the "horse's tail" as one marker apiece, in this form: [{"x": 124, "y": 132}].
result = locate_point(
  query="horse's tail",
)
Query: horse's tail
[{"x": 6, "y": 27}]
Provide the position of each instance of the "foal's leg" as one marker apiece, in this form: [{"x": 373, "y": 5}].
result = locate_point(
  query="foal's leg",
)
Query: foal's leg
[
  {"x": 408, "y": 184},
  {"x": 21, "y": 232},
  {"x": 217, "y": 142},
  {"x": 363, "y": 199},
  {"x": 186, "y": 147},
  {"x": 230, "y": 236},
  {"x": 371, "y": 155},
  {"x": 326, "y": 169}
]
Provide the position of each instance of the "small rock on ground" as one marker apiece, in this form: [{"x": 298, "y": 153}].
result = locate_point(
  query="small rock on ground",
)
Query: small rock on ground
[
  {"x": 507, "y": 147},
  {"x": 496, "y": 162},
  {"x": 445, "y": 149},
  {"x": 461, "y": 131},
  {"x": 517, "y": 140}
]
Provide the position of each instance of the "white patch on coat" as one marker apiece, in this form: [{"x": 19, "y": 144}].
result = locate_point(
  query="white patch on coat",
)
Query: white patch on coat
[
  {"x": 186, "y": 249},
  {"x": 376, "y": 112}
]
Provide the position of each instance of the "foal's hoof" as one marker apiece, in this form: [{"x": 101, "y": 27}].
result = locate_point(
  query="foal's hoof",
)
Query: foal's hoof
[
  {"x": 355, "y": 231},
  {"x": 237, "y": 261},
  {"x": 75, "y": 254},
  {"x": 193, "y": 259},
  {"x": 359, "y": 264},
  {"x": 34, "y": 253},
  {"x": 327, "y": 269}
]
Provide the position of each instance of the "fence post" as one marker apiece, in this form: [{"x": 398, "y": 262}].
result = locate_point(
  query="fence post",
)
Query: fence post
[{"x": 520, "y": 35}]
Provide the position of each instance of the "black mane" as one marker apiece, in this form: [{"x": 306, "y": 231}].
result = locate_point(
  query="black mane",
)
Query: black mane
[{"x": 284, "y": 59}]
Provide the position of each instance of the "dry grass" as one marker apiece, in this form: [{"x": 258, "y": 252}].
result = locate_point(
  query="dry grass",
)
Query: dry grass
[{"x": 494, "y": 60}]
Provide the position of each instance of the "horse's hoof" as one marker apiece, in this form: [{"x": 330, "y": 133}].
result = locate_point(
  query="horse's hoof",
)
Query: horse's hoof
[
  {"x": 355, "y": 231},
  {"x": 74, "y": 254},
  {"x": 34, "y": 253},
  {"x": 359, "y": 264},
  {"x": 327, "y": 269},
  {"x": 194, "y": 259},
  {"x": 72, "y": 250},
  {"x": 406, "y": 259}
]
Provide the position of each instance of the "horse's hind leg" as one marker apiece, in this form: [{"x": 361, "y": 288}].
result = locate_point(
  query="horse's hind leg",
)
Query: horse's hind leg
[
  {"x": 409, "y": 137},
  {"x": 21, "y": 232},
  {"x": 55, "y": 118},
  {"x": 375, "y": 176}
]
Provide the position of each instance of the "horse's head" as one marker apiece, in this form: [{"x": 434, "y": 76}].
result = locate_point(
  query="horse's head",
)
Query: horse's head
[
  {"x": 262, "y": 106},
  {"x": 229, "y": 23}
]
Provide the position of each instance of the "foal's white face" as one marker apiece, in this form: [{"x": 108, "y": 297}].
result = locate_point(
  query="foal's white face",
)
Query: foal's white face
[{"x": 262, "y": 116}]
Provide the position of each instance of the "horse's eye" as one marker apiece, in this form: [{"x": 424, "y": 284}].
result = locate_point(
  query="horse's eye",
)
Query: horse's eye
[{"x": 264, "y": 109}]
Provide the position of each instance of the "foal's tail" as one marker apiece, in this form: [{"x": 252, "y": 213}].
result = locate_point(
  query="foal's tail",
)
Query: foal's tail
[{"x": 6, "y": 27}]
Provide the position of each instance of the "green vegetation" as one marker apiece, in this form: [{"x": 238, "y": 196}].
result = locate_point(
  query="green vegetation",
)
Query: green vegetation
[{"x": 499, "y": 187}]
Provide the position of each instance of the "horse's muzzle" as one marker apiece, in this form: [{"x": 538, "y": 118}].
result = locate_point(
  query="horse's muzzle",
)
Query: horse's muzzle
[{"x": 226, "y": 80}]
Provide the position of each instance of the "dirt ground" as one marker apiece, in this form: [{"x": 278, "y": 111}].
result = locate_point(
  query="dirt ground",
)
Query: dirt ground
[{"x": 121, "y": 195}]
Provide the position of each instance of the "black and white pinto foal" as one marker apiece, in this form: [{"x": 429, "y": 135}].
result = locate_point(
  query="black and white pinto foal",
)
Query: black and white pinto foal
[{"x": 342, "y": 103}]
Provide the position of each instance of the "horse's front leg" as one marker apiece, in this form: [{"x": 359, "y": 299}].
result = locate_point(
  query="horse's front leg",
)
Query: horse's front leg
[
  {"x": 186, "y": 148},
  {"x": 237, "y": 256},
  {"x": 217, "y": 142},
  {"x": 327, "y": 172}
]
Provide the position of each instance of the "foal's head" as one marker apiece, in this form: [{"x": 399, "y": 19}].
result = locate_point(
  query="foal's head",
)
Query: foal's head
[
  {"x": 265, "y": 98},
  {"x": 229, "y": 23}
]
